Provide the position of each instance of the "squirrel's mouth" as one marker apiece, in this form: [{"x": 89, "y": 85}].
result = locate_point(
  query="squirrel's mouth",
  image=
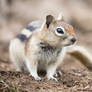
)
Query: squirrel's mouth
[
  {"x": 68, "y": 44},
  {"x": 71, "y": 43}
]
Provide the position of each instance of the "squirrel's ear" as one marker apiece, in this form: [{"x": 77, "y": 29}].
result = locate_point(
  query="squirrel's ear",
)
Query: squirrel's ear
[
  {"x": 49, "y": 20},
  {"x": 60, "y": 17}
]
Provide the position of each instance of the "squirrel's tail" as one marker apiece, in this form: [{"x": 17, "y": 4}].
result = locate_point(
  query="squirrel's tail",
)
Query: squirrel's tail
[{"x": 82, "y": 55}]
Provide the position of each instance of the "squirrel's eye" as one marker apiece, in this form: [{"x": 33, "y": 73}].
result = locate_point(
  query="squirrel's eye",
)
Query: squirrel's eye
[{"x": 60, "y": 31}]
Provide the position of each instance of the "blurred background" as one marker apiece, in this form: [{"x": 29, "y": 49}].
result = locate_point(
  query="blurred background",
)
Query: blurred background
[{"x": 16, "y": 14}]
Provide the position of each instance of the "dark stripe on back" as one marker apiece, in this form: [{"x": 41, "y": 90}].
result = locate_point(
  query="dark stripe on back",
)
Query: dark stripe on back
[
  {"x": 22, "y": 37},
  {"x": 31, "y": 28}
]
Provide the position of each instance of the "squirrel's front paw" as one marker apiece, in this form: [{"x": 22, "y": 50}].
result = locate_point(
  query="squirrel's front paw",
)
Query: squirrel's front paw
[
  {"x": 56, "y": 74},
  {"x": 38, "y": 79},
  {"x": 52, "y": 78}
]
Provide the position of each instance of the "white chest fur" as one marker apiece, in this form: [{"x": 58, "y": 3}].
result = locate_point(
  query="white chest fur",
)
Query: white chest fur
[{"x": 48, "y": 55}]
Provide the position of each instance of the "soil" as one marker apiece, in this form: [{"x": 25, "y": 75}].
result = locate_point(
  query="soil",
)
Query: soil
[{"x": 73, "y": 76}]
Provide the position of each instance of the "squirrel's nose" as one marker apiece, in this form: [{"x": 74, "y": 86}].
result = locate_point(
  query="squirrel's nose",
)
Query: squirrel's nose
[{"x": 73, "y": 40}]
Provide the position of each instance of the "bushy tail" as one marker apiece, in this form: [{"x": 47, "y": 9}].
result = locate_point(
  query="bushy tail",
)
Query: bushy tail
[{"x": 82, "y": 55}]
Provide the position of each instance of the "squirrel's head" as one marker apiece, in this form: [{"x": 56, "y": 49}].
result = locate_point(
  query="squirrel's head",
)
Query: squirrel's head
[{"x": 58, "y": 32}]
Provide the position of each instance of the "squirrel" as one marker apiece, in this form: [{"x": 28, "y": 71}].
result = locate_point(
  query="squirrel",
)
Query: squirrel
[{"x": 42, "y": 45}]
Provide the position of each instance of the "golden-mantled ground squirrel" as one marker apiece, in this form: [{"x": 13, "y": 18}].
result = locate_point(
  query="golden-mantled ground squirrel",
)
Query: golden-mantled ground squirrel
[{"x": 42, "y": 46}]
